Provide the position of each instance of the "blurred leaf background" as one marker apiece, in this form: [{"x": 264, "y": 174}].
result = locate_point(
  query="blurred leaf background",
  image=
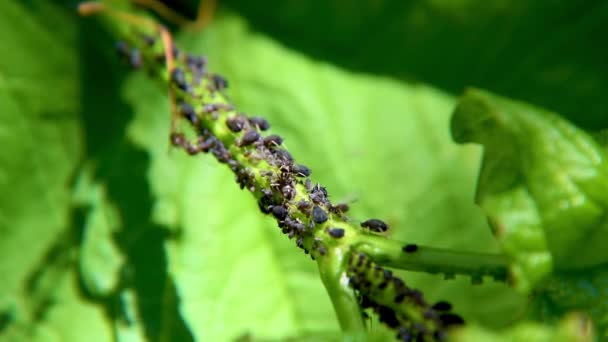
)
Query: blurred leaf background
[{"x": 106, "y": 233}]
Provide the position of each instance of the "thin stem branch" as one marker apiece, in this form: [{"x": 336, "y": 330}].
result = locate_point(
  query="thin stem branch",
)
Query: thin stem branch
[
  {"x": 346, "y": 305},
  {"x": 433, "y": 260}
]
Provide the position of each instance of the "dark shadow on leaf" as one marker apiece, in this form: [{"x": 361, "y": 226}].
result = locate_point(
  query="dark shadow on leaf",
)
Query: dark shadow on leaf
[
  {"x": 548, "y": 53},
  {"x": 122, "y": 167}
]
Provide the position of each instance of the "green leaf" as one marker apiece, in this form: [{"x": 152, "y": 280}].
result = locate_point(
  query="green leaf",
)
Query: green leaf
[
  {"x": 578, "y": 290},
  {"x": 41, "y": 146},
  {"x": 542, "y": 184},
  {"x": 381, "y": 144}
]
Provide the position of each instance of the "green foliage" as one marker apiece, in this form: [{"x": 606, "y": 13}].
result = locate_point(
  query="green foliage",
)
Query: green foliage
[
  {"x": 542, "y": 184},
  {"x": 107, "y": 233}
]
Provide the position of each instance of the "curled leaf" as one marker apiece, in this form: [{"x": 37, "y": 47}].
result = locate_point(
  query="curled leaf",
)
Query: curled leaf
[{"x": 542, "y": 185}]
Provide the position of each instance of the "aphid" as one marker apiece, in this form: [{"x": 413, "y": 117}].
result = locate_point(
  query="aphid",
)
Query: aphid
[
  {"x": 135, "y": 58},
  {"x": 301, "y": 170},
  {"x": 249, "y": 138},
  {"x": 404, "y": 334},
  {"x": 177, "y": 139},
  {"x": 308, "y": 185},
  {"x": 398, "y": 283},
  {"x": 219, "y": 82},
  {"x": 196, "y": 62},
  {"x": 322, "y": 250},
  {"x": 430, "y": 314},
  {"x": 448, "y": 319},
  {"x": 442, "y": 306},
  {"x": 212, "y": 108},
  {"x": 206, "y": 144},
  {"x": 122, "y": 49},
  {"x": 361, "y": 259},
  {"x": 259, "y": 122},
  {"x": 400, "y": 297},
  {"x": 280, "y": 212},
  {"x": 410, "y": 248},
  {"x": 288, "y": 191},
  {"x": 148, "y": 40},
  {"x": 318, "y": 194},
  {"x": 236, "y": 123},
  {"x": 336, "y": 233},
  {"x": 179, "y": 78},
  {"x": 284, "y": 155},
  {"x": 388, "y": 316},
  {"x": 272, "y": 140},
  {"x": 318, "y": 215},
  {"x": 176, "y": 52},
  {"x": 187, "y": 111},
  {"x": 304, "y": 206},
  {"x": 417, "y": 297},
  {"x": 375, "y": 225}
]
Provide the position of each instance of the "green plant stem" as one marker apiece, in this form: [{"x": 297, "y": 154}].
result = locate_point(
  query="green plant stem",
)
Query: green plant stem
[
  {"x": 433, "y": 260},
  {"x": 346, "y": 305}
]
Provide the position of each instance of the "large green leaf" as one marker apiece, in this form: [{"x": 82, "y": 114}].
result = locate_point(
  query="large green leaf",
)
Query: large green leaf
[
  {"x": 41, "y": 146},
  {"x": 542, "y": 184}
]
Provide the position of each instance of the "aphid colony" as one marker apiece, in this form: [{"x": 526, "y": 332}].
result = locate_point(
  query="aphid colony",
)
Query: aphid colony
[
  {"x": 377, "y": 289},
  {"x": 283, "y": 189}
]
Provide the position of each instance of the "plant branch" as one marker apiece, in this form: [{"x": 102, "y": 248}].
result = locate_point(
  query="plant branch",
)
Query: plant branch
[
  {"x": 433, "y": 260},
  {"x": 336, "y": 281},
  {"x": 346, "y": 254}
]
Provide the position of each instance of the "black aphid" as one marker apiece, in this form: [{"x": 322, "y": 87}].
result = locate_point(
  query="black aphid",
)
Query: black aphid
[
  {"x": 404, "y": 334},
  {"x": 301, "y": 170},
  {"x": 196, "y": 62},
  {"x": 213, "y": 108},
  {"x": 236, "y": 123},
  {"x": 322, "y": 250},
  {"x": 187, "y": 111},
  {"x": 448, "y": 319},
  {"x": 272, "y": 140},
  {"x": 400, "y": 297},
  {"x": 284, "y": 155},
  {"x": 410, "y": 248},
  {"x": 280, "y": 212},
  {"x": 176, "y": 52},
  {"x": 219, "y": 82},
  {"x": 259, "y": 122},
  {"x": 206, "y": 144},
  {"x": 335, "y": 232},
  {"x": 304, "y": 206},
  {"x": 388, "y": 316},
  {"x": 249, "y": 138},
  {"x": 135, "y": 58},
  {"x": 442, "y": 306},
  {"x": 122, "y": 49},
  {"x": 319, "y": 215},
  {"x": 179, "y": 78},
  {"x": 375, "y": 225},
  {"x": 148, "y": 40}
]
